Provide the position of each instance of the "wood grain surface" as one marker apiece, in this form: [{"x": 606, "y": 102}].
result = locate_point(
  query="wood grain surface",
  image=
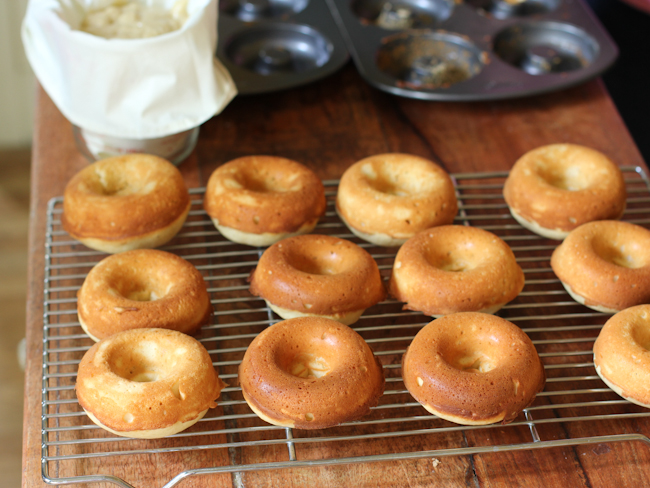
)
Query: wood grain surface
[{"x": 329, "y": 125}]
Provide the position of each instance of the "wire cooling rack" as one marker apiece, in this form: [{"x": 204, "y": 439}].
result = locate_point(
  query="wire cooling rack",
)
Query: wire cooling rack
[{"x": 231, "y": 439}]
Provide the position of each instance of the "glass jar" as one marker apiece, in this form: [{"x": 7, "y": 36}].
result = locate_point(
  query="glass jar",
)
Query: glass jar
[{"x": 174, "y": 147}]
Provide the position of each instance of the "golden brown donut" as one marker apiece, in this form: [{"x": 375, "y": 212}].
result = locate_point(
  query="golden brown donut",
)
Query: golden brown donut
[
  {"x": 388, "y": 198},
  {"x": 147, "y": 383},
  {"x": 127, "y": 202},
  {"x": 317, "y": 275},
  {"x": 553, "y": 189},
  {"x": 473, "y": 369},
  {"x": 143, "y": 288},
  {"x": 621, "y": 354},
  {"x": 605, "y": 265},
  {"x": 310, "y": 373},
  {"x": 258, "y": 200},
  {"x": 455, "y": 268}
]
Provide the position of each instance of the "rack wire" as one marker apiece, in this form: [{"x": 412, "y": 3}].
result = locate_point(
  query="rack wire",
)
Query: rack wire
[{"x": 231, "y": 438}]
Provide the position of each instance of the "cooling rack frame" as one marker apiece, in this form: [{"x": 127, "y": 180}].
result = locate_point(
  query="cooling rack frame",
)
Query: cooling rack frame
[{"x": 563, "y": 339}]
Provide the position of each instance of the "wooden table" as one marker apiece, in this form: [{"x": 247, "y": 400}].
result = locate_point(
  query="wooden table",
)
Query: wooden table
[{"x": 329, "y": 125}]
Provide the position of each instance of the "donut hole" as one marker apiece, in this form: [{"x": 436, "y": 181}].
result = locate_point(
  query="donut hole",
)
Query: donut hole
[
  {"x": 145, "y": 376},
  {"x": 177, "y": 392},
  {"x": 139, "y": 370},
  {"x": 640, "y": 331},
  {"x": 623, "y": 255},
  {"x": 321, "y": 260},
  {"x": 308, "y": 365},
  {"x": 265, "y": 182},
  {"x": 393, "y": 180},
  {"x": 470, "y": 362},
  {"x": 313, "y": 359},
  {"x": 137, "y": 289},
  {"x": 470, "y": 355},
  {"x": 455, "y": 265},
  {"x": 107, "y": 183},
  {"x": 144, "y": 362},
  {"x": 386, "y": 182},
  {"x": 462, "y": 257},
  {"x": 566, "y": 175},
  {"x": 118, "y": 181}
]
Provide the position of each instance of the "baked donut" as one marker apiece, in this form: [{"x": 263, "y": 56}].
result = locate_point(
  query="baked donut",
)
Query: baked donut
[
  {"x": 317, "y": 275},
  {"x": 310, "y": 373},
  {"x": 455, "y": 268},
  {"x": 147, "y": 383},
  {"x": 258, "y": 200},
  {"x": 473, "y": 369},
  {"x": 387, "y": 198},
  {"x": 553, "y": 189},
  {"x": 127, "y": 202},
  {"x": 621, "y": 354},
  {"x": 143, "y": 288},
  {"x": 605, "y": 265}
]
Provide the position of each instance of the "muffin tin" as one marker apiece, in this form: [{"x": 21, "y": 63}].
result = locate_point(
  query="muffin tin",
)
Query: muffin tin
[
  {"x": 269, "y": 45},
  {"x": 477, "y": 50}
]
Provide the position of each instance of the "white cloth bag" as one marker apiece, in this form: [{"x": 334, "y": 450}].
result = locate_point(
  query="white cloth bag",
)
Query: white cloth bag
[{"x": 129, "y": 88}]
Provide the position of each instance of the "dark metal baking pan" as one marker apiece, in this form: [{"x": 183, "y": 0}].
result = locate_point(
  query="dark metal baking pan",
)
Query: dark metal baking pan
[
  {"x": 478, "y": 50},
  {"x": 270, "y": 45}
]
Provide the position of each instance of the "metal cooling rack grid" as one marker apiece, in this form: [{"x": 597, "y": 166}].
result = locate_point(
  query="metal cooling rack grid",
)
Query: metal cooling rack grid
[{"x": 231, "y": 437}]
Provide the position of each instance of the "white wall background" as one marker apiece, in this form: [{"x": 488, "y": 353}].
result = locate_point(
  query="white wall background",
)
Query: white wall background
[{"x": 17, "y": 85}]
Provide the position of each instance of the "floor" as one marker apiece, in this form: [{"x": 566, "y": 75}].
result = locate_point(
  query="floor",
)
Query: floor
[{"x": 14, "y": 212}]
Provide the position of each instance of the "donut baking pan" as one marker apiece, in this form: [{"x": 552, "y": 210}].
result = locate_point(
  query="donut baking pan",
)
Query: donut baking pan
[
  {"x": 270, "y": 45},
  {"x": 447, "y": 50},
  {"x": 232, "y": 439}
]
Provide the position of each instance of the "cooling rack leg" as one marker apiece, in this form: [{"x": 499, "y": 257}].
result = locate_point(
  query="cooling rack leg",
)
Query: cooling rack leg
[
  {"x": 532, "y": 426},
  {"x": 290, "y": 445}
]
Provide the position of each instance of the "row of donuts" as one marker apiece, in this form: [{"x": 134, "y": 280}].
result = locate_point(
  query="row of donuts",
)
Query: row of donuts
[
  {"x": 309, "y": 373},
  {"x": 140, "y": 201},
  {"x": 577, "y": 195},
  {"x": 316, "y": 373},
  {"x": 312, "y": 372},
  {"x": 145, "y": 376}
]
